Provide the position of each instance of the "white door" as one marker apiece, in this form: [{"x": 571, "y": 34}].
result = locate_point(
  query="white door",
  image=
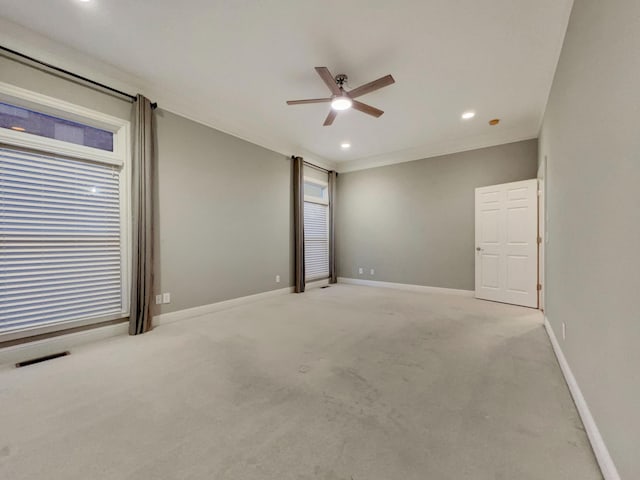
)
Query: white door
[{"x": 506, "y": 243}]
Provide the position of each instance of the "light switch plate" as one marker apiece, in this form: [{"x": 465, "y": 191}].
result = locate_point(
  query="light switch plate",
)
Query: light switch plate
[
  {"x": 159, "y": 299},
  {"x": 166, "y": 298}
]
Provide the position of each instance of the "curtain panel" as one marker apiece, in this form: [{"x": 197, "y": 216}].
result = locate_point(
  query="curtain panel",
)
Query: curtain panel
[
  {"x": 142, "y": 217},
  {"x": 298, "y": 223},
  {"x": 333, "y": 272}
]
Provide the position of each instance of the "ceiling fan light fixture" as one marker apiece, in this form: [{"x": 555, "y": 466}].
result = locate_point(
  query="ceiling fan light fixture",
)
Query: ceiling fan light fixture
[{"x": 341, "y": 103}]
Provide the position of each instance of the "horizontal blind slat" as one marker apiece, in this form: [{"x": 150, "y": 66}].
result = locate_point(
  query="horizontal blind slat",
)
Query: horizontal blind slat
[
  {"x": 97, "y": 267},
  {"x": 53, "y": 281},
  {"x": 12, "y": 255},
  {"x": 58, "y": 275},
  {"x": 57, "y": 214},
  {"x": 34, "y": 300},
  {"x": 84, "y": 313},
  {"x": 15, "y": 197},
  {"x": 61, "y": 168},
  {"x": 72, "y": 182},
  {"x": 46, "y": 161},
  {"x": 70, "y": 312},
  {"x": 19, "y": 293},
  {"x": 38, "y": 207}
]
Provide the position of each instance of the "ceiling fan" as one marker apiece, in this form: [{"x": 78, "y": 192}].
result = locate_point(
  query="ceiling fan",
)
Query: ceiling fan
[{"x": 343, "y": 100}]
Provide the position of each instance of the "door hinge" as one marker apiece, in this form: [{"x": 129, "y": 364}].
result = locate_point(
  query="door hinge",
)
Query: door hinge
[
  {"x": 539, "y": 287},
  {"x": 539, "y": 240}
]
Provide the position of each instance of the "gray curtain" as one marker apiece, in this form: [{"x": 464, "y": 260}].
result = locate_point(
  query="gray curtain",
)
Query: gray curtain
[
  {"x": 142, "y": 217},
  {"x": 298, "y": 222},
  {"x": 333, "y": 273}
]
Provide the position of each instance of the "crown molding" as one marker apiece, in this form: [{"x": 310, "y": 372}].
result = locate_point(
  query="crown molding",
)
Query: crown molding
[{"x": 438, "y": 149}]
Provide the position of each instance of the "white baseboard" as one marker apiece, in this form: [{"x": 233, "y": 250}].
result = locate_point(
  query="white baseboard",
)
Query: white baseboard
[
  {"x": 608, "y": 468},
  {"x": 171, "y": 317},
  {"x": 48, "y": 346},
  {"x": 406, "y": 286}
]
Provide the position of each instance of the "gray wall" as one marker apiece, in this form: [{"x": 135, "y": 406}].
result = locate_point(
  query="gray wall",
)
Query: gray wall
[
  {"x": 414, "y": 222},
  {"x": 591, "y": 138},
  {"x": 224, "y": 213}
]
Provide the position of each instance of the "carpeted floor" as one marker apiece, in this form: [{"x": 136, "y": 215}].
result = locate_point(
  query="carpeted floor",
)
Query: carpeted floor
[{"x": 337, "y": 384}]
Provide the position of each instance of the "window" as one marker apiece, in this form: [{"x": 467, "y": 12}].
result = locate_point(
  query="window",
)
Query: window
[
  {"x": 316, "y": 191},
  {"x": 23, "y": 120},
  {"x": 316, "y": 229},
  {"x": 64, "y": 222}
]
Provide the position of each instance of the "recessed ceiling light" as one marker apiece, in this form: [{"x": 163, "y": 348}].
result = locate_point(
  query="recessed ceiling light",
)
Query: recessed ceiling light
[
  {"x": 18, "y": 129},
  {"x": 345, "y": 145},
  {"x": 468, "y": 115}
]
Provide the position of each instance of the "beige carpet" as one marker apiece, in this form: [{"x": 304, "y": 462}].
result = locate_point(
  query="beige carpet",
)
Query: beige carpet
[{"x": 336, "y": 384}]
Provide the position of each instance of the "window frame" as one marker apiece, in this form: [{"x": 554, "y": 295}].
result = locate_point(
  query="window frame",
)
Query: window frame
[
  {"x": 68, "y": 111},
  {"x": 325, "y": 191},
  {"x": 324, "y": 201},
  {"x": 120, "y": 157}
]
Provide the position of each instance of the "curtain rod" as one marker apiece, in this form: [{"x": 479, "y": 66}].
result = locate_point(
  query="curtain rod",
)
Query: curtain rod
[
  {"x": 315, "y": 166},
  {"x": 132, "y": 98}
]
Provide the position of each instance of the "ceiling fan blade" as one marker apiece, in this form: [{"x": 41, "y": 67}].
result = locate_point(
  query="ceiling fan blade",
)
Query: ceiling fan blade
[
  {"x": 368, "y": 109},
  {"x": 311, "y": 100},
  {"x": 330, "y": 118},
  {"x": 371, "y": 86},
  {"x": 328, "y": 79}
]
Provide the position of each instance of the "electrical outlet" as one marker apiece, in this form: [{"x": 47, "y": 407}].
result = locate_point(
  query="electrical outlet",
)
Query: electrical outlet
[
  {"x": 373, "y": 272},
  {"x": 159, "y": 299},
  {"x": 564, "y": 331},
  {"x": 166, "y": 298},
  {"x": 277, "y": 278},
  {"x": 360, "y": 271}
]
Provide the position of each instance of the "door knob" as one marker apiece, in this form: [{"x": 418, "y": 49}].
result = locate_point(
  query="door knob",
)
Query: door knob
[{"x": 478, "y": 249}]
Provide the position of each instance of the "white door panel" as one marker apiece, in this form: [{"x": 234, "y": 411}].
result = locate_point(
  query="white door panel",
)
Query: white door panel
[{"x": 506, "y": 243}]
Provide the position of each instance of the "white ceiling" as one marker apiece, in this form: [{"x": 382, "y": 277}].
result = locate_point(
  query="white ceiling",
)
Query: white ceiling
[{"x": 233, "y": 64}]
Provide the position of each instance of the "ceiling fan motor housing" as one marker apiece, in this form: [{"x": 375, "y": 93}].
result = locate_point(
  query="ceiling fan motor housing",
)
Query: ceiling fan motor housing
[{"x": 341, "y": 79}]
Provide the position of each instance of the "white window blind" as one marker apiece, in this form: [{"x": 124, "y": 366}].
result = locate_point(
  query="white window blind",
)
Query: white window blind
[
  {"x": 60, "y": 241},
  {"x": 316, "y": 241}
]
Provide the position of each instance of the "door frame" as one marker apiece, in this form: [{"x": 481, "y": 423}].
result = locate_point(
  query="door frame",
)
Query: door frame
[{"x": 542, "y": 230}]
